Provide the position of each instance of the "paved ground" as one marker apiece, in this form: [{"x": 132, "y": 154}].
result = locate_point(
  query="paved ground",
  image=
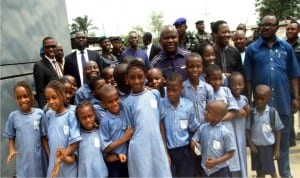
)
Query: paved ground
[{"x": 294, "y": 157}]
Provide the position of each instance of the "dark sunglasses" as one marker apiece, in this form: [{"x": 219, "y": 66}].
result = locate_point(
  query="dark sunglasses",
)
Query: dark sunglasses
[{"x": 50, "y": 46}]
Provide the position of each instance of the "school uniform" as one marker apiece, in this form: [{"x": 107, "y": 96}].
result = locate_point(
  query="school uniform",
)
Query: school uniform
[
  {"x": 239, "y": 125},
  {"x": 84, "y": 93},
  {"x": 263, "y": 137},
  {"x": 199, "y": 97},
  {"x": 90, "y": 157},
  {"x": 224, "y": 79},
  {"x": 225, "y": 94},
  {"x": 25, "y": 129},
  {"x": 146, "y": 152},
  {"x": 113, "y": 128},
  {"x": 215, "y": 141},
  {"x": 179, "y": 122},
  {"x": 99, "y": 111},
  {"x": 61, "y": 130}
]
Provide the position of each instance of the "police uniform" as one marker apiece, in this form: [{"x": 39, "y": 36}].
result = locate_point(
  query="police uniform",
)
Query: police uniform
[{"x": 203, "y": 37}]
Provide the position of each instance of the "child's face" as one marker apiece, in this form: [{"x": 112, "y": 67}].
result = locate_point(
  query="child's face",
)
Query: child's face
[
  {"x": 208, "y": 56},
  {"x": 194, "y": 68},
  {"x": 24, "y": 99},
  {"x": 155, "y": 79},
  {"x": 136, "y": 79},
  {"x": 215, "y": 79},
  {"x": 74, "y": 84},
  {"x": 211, "y": 115},
  {"x": 261, "y": 99},
  {"x": 68, "y": 92},
  {"x": 109, "y": 77},
  {"x": 55, "y": 101},
  {"x": 99, "y": 84},
  {"x": 174, "y": 90},
  {"x": 91, "y": 70},
  {"x": 111, "y": 102},
  {"x": 86, "y": 117},
  {"x": 237, "y": 85}
]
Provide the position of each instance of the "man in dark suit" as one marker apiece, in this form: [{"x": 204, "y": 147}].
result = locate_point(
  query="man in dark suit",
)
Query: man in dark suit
[
  {"x": 151, "y": 49},
  {"x": 45, "y": 70},
  {"x": 75, "y": 62}
]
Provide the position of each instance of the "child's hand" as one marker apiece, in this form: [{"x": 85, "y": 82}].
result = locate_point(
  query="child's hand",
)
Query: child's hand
[
  {"x": 243, "y": 113},
  {"x": 247, "y": 109},
  {"x": 11, "y": 156},
  {"x": 129, "y": 132},
  {"x": 253, "y": 149},
  {"x": 211, "y": 162},
  {"x": 194, "y": 144},
  {"x": 60, "y": 152},
  {"x": 122, "y": 157},
  {"x": 276, "y": 154}
]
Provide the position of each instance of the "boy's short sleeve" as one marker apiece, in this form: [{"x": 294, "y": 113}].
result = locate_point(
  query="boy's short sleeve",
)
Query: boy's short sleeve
[
  {"x": 278, "y": 124},
  {"x": 74, "y": 129},
  {"x": 229, "y": 140},
  {"x": 104, "y": 133},
  {"x": 9, "y": 130}
]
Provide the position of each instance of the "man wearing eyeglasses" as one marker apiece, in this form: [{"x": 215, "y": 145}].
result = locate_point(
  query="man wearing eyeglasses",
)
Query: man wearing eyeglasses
[
  {"x": 272, "y": 61},
  {"x": 45, "y": 70}
]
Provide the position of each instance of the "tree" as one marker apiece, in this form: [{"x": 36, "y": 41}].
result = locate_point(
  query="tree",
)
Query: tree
[
  {"x": 283, "y": 9},
  {"x": 82, "y": 24},
  {"x": 156, "y": 22}
]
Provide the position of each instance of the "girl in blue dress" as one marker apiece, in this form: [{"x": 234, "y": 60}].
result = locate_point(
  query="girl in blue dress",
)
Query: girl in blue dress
[
  {"x": 23, "y": 130},
  {"x": 60, "y": 130},
  {"x": 147, "y": 156}
]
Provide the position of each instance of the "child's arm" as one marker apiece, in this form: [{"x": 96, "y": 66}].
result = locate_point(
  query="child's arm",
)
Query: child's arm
[
  {"x": 127, "y": 135},
  {"x": 45, "y": 145},
  {"x": 12, "y": 151},
  {"x": 251, "y": 144},
  {"x": 244, "y": 111},
  {"x": 70, "y": 149},
  {"x": 163, "y": 135},
  {"x": 229, "y": 115},
  {"x": 277, "y": 145},
  {"x": 110, "y": 158},
  {"x": 61, "y": 158},
  {"x": 212, "y": 162}
]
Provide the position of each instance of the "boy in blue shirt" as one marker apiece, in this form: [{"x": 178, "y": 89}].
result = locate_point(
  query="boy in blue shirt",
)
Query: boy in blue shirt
[
  {"x": 263, "y": 134},
  {"x": 179, "y": 120},
  {"x": 216, "y": 141}
]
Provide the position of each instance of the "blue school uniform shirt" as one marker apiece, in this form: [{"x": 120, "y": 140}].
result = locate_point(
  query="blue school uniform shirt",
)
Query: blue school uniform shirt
[
  {"x": 100, "y": 111},
  {"x": 146, "y": 151},
  {"x": 61, "y": 130},
  {"x": 179, "y": 122},
  {"x": 275, "y": 67},
  {"x": 113, "y": 128},
  {"x": 203, "y": 94},
  {"x": 90, "y": 157},
  {"x": 225, "y": 94},
  {"x": 215, "y": 141},
  {"x": 261, "y": 131},
  {"x": 84, "y": 93},
  {"x": 25, "y": 129}
]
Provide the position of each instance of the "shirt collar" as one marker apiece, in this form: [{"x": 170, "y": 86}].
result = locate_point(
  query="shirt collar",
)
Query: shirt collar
[
  {"x": 179, "y": 53},
  {"x": 266, "y": 110},
  {"x": 49, "y": 59},
  {"x": 261, "y": 41},
  {"x": 79, "y": 52}
]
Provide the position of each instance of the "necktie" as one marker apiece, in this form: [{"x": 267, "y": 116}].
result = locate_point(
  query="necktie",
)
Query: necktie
[
  {"x": 82, "y": 60},
  {"x": 57, "y": 69}
]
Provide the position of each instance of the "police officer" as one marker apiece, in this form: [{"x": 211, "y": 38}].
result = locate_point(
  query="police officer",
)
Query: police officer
[
  {"x": 186, "y": 39},
  {"x": 202, "y": 36}
]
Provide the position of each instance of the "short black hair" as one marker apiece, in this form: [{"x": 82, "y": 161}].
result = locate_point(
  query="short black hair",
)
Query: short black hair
[
  {"x": 136, "y": 64},
  {"x": 212, "y": 68},
  {"x": 174, "y": 77},
  {"x": 216, "y": 25}
]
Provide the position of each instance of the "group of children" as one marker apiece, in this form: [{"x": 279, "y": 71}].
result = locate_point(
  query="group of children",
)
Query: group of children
[{"x": 132, "y": 122}]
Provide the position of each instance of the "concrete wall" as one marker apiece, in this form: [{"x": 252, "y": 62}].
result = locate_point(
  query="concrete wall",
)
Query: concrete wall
[{"x": 24, "y": 23}]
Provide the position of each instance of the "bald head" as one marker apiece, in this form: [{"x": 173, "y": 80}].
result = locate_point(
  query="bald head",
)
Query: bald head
[
  {"x": 263, "y": 90},
  {"x": 218, "y": 106}
]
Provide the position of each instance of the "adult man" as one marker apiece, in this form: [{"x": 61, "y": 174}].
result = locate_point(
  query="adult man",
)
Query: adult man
[
  {"x": 149, "y": 47},
  {"x": 185, "y": 40},
  {"x": 227, "y": 57},
  {"x": 107, "y": 58},
  {"x": 171, "y": 58},
  {"x": 117, "y": 44},
  {"x": 75, "y": 61},
  {"x": 272, "y": 61},
  {"x": 239, "y": 40},
  {"x": 45, "y": 70},
  {"x": 59, "y": 55},
  {"x": 292, "y": 31},
  {"x": 133, "y": 50},
  {"x": 202, "y": 36}
]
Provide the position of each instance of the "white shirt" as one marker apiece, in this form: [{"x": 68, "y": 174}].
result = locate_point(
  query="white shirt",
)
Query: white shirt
[
  {"x": 149, "y": 46},
  {"x": 80, "y": 68}
]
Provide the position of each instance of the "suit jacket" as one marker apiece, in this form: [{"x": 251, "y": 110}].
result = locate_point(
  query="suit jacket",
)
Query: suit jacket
[
  {"x": 43, "y": 73},
  {"x": 154, "y": 51},
  {"x": 71, "y": 65}
]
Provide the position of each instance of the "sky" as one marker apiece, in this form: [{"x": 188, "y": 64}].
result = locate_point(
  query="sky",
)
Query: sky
[{"x": 117, "y": 17}]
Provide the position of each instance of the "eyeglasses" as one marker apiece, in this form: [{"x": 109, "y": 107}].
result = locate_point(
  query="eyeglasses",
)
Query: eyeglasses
[
  {"x": 50, "y": 46},
  {"x": 268, "y": 25}
]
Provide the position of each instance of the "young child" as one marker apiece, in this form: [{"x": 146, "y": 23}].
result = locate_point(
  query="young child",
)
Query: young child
[
  {"x": 68, "y": 93},
  {"x": 216, "y": 141},
  {"x": 199, "y": 92},
  {"x": 108, "y": 76},
  {"x": 214, "y": 78},
  {"x": 114, "y": 132},
  {"x": 60, "y": 130},
  {"x": 74, "y": 86},
  {"x": 120, "y": 76},
  {"x": 91, "y": 70},
  {"x": 263, "y": 134},
  {"x": 179, "y": 121},
  {"x": 23, "y": 129},
  {"x": 147, "y": 154},
  {"x": 236, "y": 84},
  {"x": 90, "y": 157},
  {"x": 156, "y": 80}
]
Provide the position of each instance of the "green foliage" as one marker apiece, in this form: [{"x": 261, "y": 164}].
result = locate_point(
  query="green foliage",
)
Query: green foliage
[
  {"x": 283, "y": 9},
  {"x": 156, "y": 22},
  {"x": 82, "y": 24}
]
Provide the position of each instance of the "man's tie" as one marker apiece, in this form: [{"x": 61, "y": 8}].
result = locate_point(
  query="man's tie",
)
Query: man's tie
[
  {"x": 57, "y": 69},
  {"x": 83, "y": 60}
]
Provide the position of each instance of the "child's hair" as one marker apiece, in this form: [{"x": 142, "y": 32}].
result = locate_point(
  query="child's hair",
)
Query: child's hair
[
  {"x": 64, "y": 81},
  {"x": 85, "y": 104},
  {"x": 106, "y": 89},
  {"x": 211, "y": 68},
  {"x": 201, "y": 48},
  {"x": 58, "y": 87},
  {"x": 233, "y": 76},
  {"x": 93, "y": 82},
  {"x": 27, "y": 88},
  {"x": 119, "y": 73},
  {"x": 136, "y": 63},
  {"x": 128, "y": 59},
  {"x": 220, "y": 106},
  {"x": 174, "y": 77},
  {"x": 192, "y": 56},
  {"x": 262, "y": 89},
  {"x": 105, "y": 71}
]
